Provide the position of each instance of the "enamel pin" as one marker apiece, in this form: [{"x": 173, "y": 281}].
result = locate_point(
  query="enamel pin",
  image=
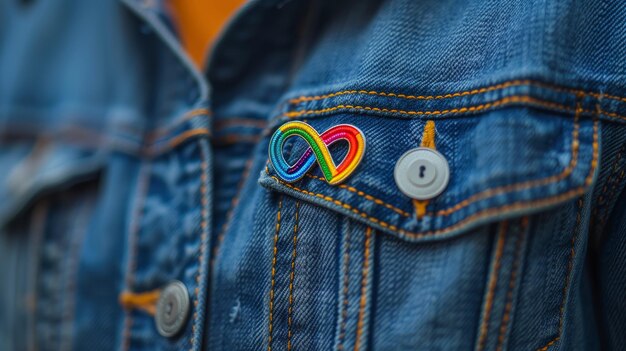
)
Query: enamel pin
[{"x": 317, "y": 151}]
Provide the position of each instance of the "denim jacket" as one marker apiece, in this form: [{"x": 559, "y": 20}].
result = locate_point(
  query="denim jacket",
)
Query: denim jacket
[{"x": 126, "y": 168}]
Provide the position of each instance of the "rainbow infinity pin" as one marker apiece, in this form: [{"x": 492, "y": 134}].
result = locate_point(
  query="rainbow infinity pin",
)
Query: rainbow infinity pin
[{"x": 318, "y": 150}]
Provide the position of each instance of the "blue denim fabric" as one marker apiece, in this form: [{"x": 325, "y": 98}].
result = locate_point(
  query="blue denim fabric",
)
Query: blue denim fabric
[{"x": 127, "y": 168}]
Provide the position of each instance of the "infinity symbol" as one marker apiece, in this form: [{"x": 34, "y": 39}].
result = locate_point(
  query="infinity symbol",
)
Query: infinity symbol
[{"x": 318, "y": 150}]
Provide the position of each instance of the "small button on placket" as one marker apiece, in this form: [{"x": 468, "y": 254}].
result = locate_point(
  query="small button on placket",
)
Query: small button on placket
[
  {"x": 422, "y": 173},
  {"x": 172, "y": 309}
]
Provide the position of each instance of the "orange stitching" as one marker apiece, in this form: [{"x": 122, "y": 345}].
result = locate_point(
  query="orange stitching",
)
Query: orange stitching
[
  {"x": 419, "y": 207},
  {"x": 292, "y": 276},
  {"x": 611, "y": 114},
  {"x": 550, "y": 344},
  {"x": 504, "y": 324},
  {"x": 87, "y": 137},
  {"x": 481, "y": 214},
  {"x": 572, "y": 253},
  {"x": 607, "y": 96},
  {"x": 501, "y": 86},
  {"x": 364, "y": 278},
  {"x": 502, "y": 102},
  {"x": 516, "y": 99},
  {"x": 185, "y": 117},
  {"x": 142, "y": 192},
  {"x": 145, "y": 301},
  {"x": 186, "y": 135},
  {"x": 177, "y": 140},
  {"x": 154, "y": 149},
  {"x": 493, "y": 279},
  {"x": 428, "y": 141},
  {"x": 528, "y": 184},
  {"x": 493, "y": 191},
  {"x": 194, "y": 113},
  {"x": 344, "y": 305},
  {"x": 362, "y": 194},
  {"x": 203, "y": 225},
  {"x": 568, "y": 277},
  {"x": 275, "y": 253},
  {"x": 428, "y": 137},
  {"x": 411, "y": 97}
]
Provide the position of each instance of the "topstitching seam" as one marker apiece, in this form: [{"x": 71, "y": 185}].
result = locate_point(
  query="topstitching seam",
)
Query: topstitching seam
[
  {"x": 292, "y": 276},
  {"x": 364, "y": 281},
  {"x": 142, "y": 192},
  {"x": 568, "y": 276},
  {"x": 501, "y": 86},
  {"x": 481, "y": 214},
  {"x": 491, "y": 191},
  {"x": 273, "y": 275},
  {"x": 493, "y": 281},
  {"x": 204, "y": 202},
  {"x": 505, "y": 323}
]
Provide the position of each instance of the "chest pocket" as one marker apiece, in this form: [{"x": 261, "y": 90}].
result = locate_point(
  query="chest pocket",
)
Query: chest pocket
[{"x": 393, "y": 272}]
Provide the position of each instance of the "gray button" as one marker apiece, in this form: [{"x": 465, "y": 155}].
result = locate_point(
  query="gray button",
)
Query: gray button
[
  {"x": 172, "y": 309},
  {"x": 422, "y": 173}
]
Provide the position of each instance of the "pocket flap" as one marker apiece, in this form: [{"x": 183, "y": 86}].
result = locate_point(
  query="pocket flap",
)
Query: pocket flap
[
  {"x": 34, "y": 168},
  {"x": 503, "y": 163}
]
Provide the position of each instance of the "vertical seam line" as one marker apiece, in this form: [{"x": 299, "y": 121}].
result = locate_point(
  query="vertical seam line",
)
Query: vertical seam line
[
  {"x": 506, "y": 318},
  {"x": 364, "y": 278},
  {"x": 594, "y": 162},
  {"x": 204, "y": 201},
  {"x": 568, "y": 277},
  {"x": 73, "y": 256},
  {"x": 273, "y": 282},
  {"x": 346, "y": 281},
  {"x": 493, "y": 281},
  {"x": 142, "y": 192},
  {"x": 39, "y": 216},
  {"x": 292, "y": 276},
  {"x": 604, "y": 197}
]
